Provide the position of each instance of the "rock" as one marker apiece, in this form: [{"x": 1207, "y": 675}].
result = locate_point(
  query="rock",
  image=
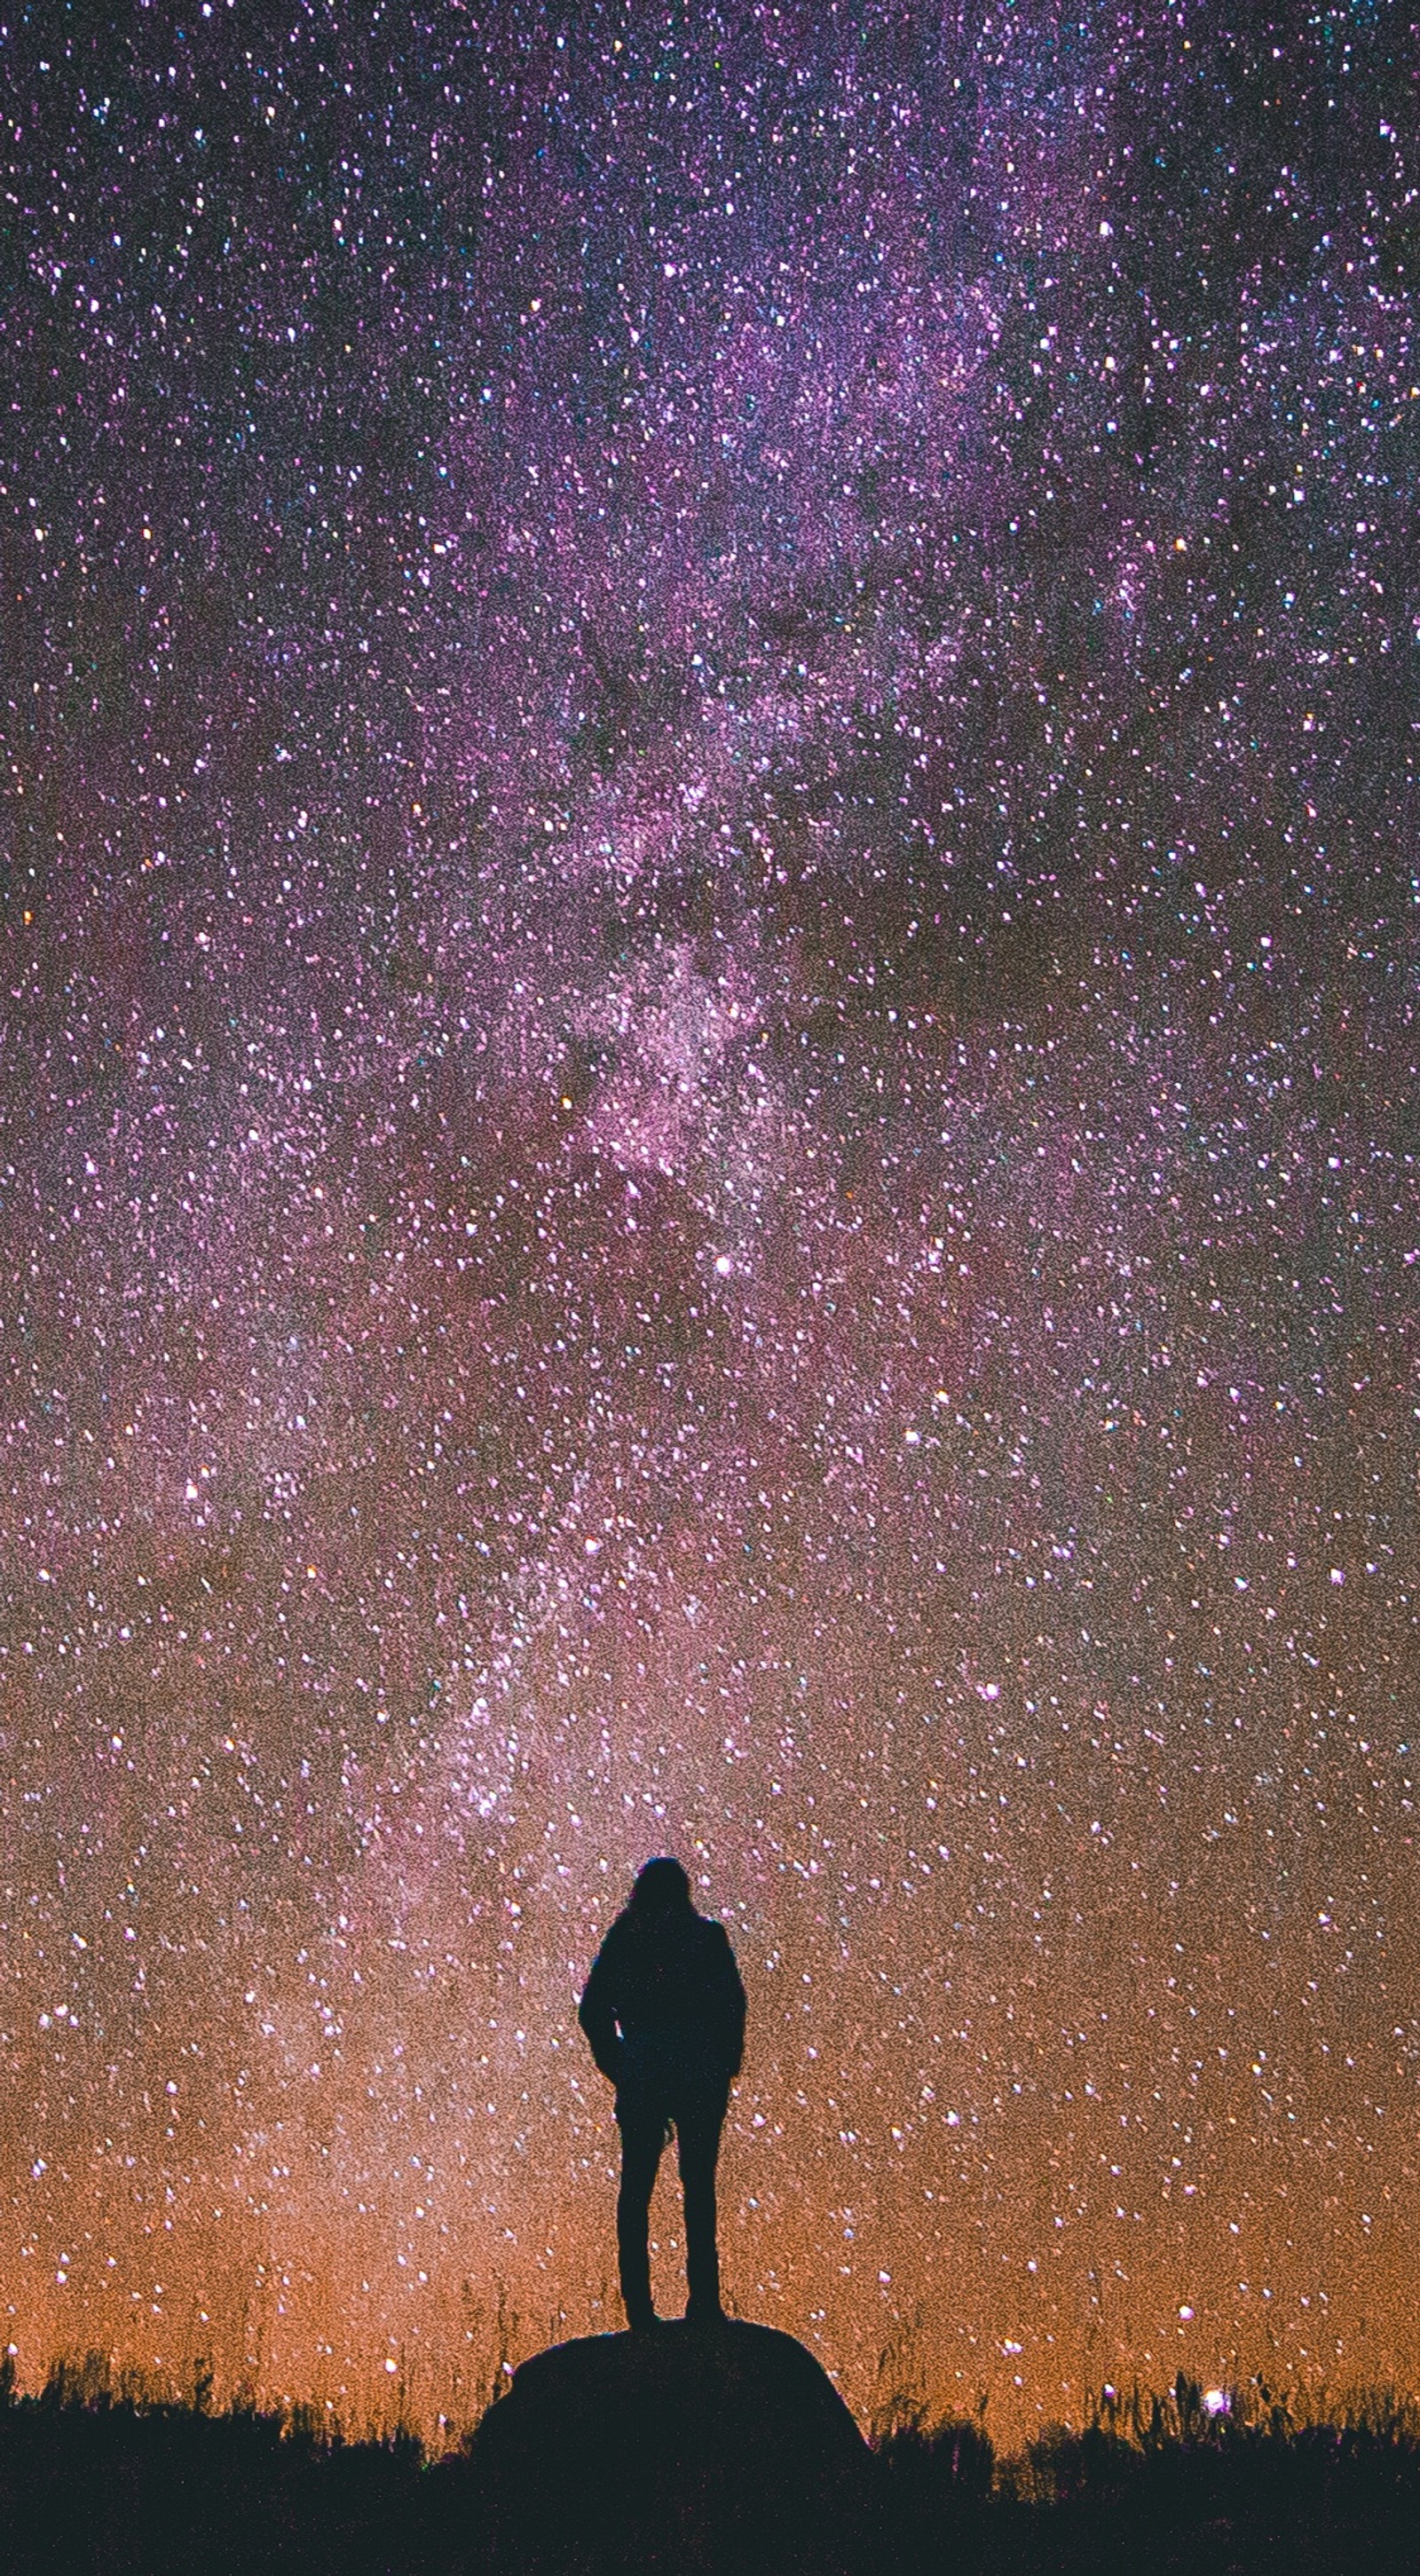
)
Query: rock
[{"x": 710, "y": 2451}]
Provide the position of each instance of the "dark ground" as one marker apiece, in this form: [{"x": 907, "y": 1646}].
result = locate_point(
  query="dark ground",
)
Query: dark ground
[{"x": 93, "y": 2484}]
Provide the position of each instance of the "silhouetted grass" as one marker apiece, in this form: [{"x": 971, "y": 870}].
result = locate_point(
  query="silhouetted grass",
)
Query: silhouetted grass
[
  {"x": 1160, "y": 2485},
  {"x": 98, "y": 2479},
  {"x": 105, "y": 2479}
]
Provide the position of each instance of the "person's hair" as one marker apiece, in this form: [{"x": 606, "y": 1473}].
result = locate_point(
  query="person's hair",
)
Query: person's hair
[{"x": 662, "y": 1887}]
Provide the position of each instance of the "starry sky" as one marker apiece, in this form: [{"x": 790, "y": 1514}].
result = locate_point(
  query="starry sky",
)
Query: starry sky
[{"x": 707, "y": 1142}]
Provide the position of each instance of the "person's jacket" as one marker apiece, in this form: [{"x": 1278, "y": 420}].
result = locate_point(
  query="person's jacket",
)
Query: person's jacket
[{"x": 664, "y": 2005}]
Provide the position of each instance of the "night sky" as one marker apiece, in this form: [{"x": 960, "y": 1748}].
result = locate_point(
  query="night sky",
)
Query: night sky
[{"x": 708, "y": 1143}]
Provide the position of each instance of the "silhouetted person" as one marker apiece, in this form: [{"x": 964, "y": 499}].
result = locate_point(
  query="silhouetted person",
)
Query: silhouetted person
[{"x": 664, "y": 2011}]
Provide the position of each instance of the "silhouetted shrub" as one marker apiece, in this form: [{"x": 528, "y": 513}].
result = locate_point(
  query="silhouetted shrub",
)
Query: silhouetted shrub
[{"x": 105, "y": 2478}]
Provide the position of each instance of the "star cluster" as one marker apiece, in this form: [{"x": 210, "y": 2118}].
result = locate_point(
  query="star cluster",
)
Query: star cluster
[{"x": 708, "y": 1142}]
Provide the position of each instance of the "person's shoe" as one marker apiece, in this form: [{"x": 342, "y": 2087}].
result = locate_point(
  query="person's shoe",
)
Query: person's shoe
[
  {"x": 705, "y": 2312},
  {"x": 642, "y": 2320}
]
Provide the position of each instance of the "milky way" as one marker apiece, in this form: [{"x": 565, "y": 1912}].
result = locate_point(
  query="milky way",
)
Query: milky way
[{"x": 708, "y": 1143}]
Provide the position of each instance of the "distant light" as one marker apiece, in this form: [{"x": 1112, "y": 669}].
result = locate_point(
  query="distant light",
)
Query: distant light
[
  {"x": 1216, "y": 2401},
  {"x": 723, "y": 1265},
  {"x": 1187, "y": 2315}
]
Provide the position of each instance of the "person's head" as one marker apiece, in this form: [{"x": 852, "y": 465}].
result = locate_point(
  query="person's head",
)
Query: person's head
[{"x": 661, "y": 1888}]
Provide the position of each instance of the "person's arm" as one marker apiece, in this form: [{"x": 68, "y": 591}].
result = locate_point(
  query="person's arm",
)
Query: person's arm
[
  {"x": 597, "y": 2015},
  {"x": 733, "y": 2005}
]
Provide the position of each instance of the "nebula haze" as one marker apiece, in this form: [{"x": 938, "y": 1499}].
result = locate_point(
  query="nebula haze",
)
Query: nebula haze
[{"x": 708, "y": 1143}]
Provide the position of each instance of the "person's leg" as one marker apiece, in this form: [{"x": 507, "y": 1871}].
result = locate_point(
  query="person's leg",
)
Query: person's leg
[
  {"x": 642, "y": 2136},
  {"x": 698, "y": 2128}
]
